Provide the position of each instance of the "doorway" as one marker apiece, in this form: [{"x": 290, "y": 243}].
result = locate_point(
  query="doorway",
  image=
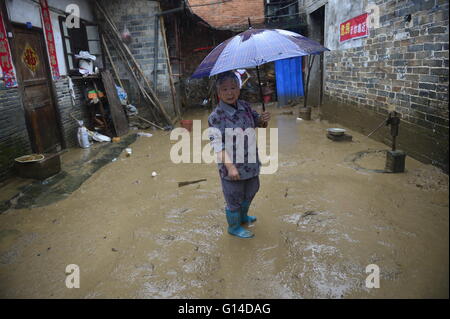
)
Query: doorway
[{"x": 34, "y": 78}]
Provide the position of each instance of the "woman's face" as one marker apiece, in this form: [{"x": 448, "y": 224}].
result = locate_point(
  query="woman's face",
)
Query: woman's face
[{"x": 229, "y": 91}]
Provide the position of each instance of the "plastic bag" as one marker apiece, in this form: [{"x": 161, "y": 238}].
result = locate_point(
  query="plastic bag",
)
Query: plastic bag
[
  {"x": 126, "y": 35},
  {"x": 85, "y": 55},
  {"x": 122, "y": 95}
]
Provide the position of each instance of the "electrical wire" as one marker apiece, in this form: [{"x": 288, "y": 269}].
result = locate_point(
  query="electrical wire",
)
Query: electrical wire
[{"x": 206, "y": 4}]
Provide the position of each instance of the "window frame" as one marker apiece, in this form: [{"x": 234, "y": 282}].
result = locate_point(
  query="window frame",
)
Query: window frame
[{"x": 71, "y": 55}]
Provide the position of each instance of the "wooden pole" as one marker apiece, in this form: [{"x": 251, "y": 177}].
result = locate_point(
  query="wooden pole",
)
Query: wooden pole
[
  {"x": 141, "y": 88},
  {"x": 169, "y": 66},
  {"x": 116, "y": 73},
  {"x": 147, "y": 121},
  {"x": 307, "y": 80},
  {"x": 116, "y": 34}
]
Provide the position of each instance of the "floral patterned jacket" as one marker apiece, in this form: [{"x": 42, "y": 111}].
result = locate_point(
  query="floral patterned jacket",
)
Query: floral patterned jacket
[{"x": 226, "y": 121}]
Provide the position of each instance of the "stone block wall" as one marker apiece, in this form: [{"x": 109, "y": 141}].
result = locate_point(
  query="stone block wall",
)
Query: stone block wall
[
  {"x": 14, "y": 140},
  {"x": 139, "y": 19},
  {"x": 403, "y": 66},
  {"x": 66, "y": 106}
]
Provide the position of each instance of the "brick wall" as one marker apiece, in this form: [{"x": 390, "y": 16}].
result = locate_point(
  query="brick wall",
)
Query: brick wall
[
  {"x": 401, "y": 66},
  {"x": 140, "y": 21},
  {"x": 66, "y": 107},
  {"x": 14, "y": 141},
  {"x": 14, "y": 138},
  {"x": 229, "y": 14}
]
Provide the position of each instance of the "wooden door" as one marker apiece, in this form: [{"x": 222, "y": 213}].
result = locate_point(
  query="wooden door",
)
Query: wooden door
[{"x": 30, "y": 60}]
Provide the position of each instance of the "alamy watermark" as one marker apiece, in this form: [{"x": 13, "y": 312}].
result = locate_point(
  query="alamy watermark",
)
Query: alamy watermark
[
  {"x": 73, "y": 18},
  {"x": 373, "y": 280},
  {"x": 233, "y": 143},
  {"x": 72, "y": 276}
]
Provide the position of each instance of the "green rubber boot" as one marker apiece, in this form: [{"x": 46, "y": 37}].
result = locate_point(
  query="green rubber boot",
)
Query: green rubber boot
[
  {"x": 245, "y": 205},
  {"x": 234, "y": 225}
]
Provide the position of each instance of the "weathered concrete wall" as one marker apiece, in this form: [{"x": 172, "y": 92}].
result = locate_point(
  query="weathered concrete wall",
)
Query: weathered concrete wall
[
  {"x": 139, "y": 19},
  {"x": 401, "y": 66}
]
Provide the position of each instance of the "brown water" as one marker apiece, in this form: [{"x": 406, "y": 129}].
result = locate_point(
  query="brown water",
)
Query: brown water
[{"x": 320, "y": 223}]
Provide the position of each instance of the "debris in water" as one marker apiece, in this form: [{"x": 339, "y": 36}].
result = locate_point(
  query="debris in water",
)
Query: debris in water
[
  {"x": 144, "y": 134},
  {"x": 309, "y": 213},
  {"x": 181, "y": 184}
]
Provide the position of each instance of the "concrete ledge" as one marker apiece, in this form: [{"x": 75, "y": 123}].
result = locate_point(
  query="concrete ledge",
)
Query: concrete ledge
[{"x": 425, "y": 145}]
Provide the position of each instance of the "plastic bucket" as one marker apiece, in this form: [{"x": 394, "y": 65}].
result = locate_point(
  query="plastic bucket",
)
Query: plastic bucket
[{"x": 187, "y": 124}]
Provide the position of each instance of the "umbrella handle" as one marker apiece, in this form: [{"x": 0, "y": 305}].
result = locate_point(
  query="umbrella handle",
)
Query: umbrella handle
[{"x": 260, "y": 89}]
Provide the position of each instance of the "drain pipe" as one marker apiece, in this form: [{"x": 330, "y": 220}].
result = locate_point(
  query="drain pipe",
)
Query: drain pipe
[{"x": 156, "y": 40}]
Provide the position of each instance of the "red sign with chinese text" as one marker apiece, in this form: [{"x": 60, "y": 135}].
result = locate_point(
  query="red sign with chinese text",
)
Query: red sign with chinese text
[
  {"x": 48, "y": 30},
  {"x": 354, "y": 28},
  {"x": 6, "y": 66}
]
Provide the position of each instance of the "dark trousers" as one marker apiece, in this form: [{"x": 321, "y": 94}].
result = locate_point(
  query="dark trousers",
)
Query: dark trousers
[{"x": 235, "y": 192}]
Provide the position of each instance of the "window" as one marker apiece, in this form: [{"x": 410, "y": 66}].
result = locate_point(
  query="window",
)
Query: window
[
  {"x": 281, "y": 10},
  {"x": 84, "y": 38}
]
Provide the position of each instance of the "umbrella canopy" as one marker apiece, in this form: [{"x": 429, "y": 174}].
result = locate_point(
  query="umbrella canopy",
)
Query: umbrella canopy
[{"x": 255, "y": 47}]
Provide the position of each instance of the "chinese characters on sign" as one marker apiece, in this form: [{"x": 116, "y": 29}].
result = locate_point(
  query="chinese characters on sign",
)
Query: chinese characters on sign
[
  {"x": 6, "y": 66},
  {"x": 354, "y": 28},
  {"x": 48, "y": 30}
]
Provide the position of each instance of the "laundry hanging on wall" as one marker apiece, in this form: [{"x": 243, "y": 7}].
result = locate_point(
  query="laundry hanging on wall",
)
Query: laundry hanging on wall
[{"x": 6, "y": 66}]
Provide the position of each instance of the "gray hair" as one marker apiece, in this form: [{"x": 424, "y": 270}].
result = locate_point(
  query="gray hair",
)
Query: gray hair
[{"x": 222, "y": 77}]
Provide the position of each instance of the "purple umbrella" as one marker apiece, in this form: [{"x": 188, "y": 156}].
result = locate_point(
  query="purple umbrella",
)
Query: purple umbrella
[{"x": 255, "y": 47}]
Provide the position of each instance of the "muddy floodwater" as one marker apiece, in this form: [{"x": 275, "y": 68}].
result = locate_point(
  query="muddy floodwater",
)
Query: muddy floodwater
[{"x": 323, "y": 217}]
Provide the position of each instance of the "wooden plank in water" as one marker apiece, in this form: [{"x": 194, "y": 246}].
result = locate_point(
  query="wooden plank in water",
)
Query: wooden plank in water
[{"x": 118, "y": 116}]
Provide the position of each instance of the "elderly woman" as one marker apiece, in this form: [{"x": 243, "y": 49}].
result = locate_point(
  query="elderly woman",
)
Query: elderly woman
[{"x": 239, "y": 178}]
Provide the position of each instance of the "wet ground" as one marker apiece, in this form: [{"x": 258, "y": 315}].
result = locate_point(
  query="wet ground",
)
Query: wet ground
[{"x": 322, "y": 218}]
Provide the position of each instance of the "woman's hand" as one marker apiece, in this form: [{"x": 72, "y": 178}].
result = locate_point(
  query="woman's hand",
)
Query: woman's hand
[
  {"x": 265, "y": 116},
  {"x": 264, "y": 119},
  {"x": 233, "y": 173}
]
